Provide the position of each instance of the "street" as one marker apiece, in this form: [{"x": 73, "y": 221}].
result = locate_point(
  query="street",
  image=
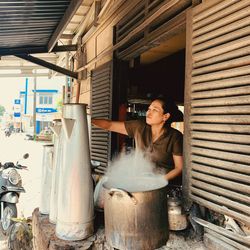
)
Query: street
[{"x": 12, "y": 149}]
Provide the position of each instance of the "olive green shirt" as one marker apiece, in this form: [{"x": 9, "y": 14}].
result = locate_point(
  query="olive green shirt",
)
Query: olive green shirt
[{"x": 162, "y": 150}]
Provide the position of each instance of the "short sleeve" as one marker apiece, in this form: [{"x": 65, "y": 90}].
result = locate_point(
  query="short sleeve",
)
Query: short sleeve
[
  {"x": 132, "y": 126},
  {"x": 178, "y": 144}
]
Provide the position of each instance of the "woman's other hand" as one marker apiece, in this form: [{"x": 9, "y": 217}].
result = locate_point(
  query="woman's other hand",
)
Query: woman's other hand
[{"x": 178, "y": 165}]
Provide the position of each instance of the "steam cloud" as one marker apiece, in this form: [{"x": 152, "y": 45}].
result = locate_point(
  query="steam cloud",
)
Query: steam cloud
[{"x": 134, "y": 173}]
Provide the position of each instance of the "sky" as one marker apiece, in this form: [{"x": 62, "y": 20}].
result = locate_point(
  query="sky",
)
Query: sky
[{"x": 11, "y": 86}]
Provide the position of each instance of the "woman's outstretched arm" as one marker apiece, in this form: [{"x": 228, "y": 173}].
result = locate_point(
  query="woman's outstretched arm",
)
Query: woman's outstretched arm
[{"x": 114, "y": 126}]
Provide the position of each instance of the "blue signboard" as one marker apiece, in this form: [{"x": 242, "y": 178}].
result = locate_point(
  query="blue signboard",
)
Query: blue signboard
[
  {"x": 45, "y": 110},
  {"x": 17, "y": 114},
  {"x": 17, "y": 101}
]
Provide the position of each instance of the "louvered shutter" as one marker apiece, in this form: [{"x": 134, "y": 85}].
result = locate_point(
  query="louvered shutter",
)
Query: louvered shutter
[
  {"x": 217, "y": 107},
  {"x": 101, "y": 107}
]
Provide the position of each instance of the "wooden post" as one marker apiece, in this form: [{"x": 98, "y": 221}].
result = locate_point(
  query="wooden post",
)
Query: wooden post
[{"x": 187, "y": 112}]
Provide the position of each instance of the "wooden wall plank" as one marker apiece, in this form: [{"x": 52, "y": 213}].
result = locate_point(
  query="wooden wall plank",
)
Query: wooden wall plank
[
  {"x": 222, "y": 39},
  {"x": 222, "y": 209},
  {"x": 222, "y": 164},
  {"x": 232, "y": 110},
  {"x": 223, "y": 57},
  {"x": 232, "y": 185},
  {"x": 221, "y": 49},
  {"x": 222, "y": 83},
  {"x": 187, "y": 107},
  {"x": 222, "y": 74},
  {"x": 230, "y": 101},
  {"x": 219, "y": 11},
  {"x": 233, "y": 243},
  {"x": 225, "y": 174},
  {"x": 237, "y": 62},
  {"x": 227, "y": 128},
  {"x": 222, "y": 137},
  {"x": 221, "y": 191},
  {"x": 220, "y": 154},
  {"x": 236, "y": 20},
  {"x": 221, "y": 230},
  {"x": 221, "y": 200}
]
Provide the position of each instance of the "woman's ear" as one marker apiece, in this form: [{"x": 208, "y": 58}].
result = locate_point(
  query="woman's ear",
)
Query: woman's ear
[{"x": 166, "y": 117}]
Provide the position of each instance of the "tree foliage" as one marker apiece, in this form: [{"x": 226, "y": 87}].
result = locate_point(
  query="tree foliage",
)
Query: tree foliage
[
  {"x": 2, "y": 110},
  {"x": 59, "y": 104}
]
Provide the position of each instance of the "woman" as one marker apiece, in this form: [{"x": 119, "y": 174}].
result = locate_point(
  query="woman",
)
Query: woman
[{"x": 161, "y": 143}]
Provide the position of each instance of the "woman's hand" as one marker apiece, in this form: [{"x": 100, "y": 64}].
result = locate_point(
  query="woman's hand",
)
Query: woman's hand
[{"x": 178, "y": 164}]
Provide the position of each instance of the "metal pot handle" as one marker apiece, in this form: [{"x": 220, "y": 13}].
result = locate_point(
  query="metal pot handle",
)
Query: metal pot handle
[{"x": 112, "y": 191}]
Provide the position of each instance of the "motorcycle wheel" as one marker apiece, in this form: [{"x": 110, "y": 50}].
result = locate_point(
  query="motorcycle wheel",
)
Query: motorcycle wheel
[{"x": 9, "y": 212}]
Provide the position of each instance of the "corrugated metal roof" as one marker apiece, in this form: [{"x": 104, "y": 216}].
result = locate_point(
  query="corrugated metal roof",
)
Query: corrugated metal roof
[
  {"x": 27, "y": 24},
  {"x": 35, "y": 26}
]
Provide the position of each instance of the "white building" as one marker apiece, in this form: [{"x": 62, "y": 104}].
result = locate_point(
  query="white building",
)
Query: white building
[{"x": 46, "y": 107}]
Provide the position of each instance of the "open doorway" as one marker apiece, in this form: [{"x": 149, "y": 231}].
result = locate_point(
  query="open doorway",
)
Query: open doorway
[
  {"x": 157, "y": 71},
  {"x": 163, "y": 77}
]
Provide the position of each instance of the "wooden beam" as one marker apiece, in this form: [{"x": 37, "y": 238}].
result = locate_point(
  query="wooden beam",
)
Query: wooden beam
[
  {"x": 74, "y": 5},
  {"x": 19, "y": 67},
  {"x": 67, "y": 36},
  {"x": 148, "y": 21},
  {"x": 186, "y": 176},
  {"x": 84, "y": 24},
  {"x": 64, "y": 48},
  {"x": 223, "y": 231},
  {"x": 170, "y": 29},
  {"x": 230, "y": 242},
  {"x": 222, "y": 209},
  {"x": 25, "y": 75},
  {"x": 36, "y": 50},
  {"x": 48, "y": 65}
]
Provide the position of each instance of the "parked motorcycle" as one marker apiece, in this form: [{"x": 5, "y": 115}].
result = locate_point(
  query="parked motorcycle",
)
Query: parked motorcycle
[
  {"x": 7, "y": 132},
  {"x": 10, "y": 189}
]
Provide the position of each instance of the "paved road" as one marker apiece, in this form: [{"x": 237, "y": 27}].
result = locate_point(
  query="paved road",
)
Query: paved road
[{"x": 12, "y": 149}]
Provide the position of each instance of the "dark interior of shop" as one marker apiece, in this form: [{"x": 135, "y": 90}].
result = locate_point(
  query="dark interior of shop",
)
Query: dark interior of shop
[{"x": 165, "y": 77}]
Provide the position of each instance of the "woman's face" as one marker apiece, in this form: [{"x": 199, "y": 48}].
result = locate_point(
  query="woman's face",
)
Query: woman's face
[{"x": 155, "y": 114}]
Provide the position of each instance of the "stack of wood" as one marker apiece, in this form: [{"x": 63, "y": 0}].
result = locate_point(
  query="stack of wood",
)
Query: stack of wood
[
  {"x": 220, "y": 238},
  {"x": 20, "y": 236}
]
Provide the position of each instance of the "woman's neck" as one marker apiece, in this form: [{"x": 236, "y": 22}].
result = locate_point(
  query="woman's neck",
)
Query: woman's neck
[{"x": 157, "y": 131}]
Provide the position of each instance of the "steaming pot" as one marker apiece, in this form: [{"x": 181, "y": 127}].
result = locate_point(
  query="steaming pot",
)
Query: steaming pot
[{"x": 135, "y": 220}]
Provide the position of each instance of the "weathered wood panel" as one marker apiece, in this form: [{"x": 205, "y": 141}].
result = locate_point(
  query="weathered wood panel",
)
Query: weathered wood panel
[
  {"x": 227, "y": 128},
  {"x": 221, "y": 191},
  {"x": 101, "y": 107},
  {"x": 218, "y": 118},
  {"x": 223, "y": 164},
  {"x": 231, "y": 22},
  {"x": 225, "y": 232},
  {"x": 233, "y": 243}
]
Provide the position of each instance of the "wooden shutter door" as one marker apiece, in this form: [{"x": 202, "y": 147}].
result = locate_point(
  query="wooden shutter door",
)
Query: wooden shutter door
[
  {"x": 101, "y": 107},
  {"x": 217, "y": 107}
]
